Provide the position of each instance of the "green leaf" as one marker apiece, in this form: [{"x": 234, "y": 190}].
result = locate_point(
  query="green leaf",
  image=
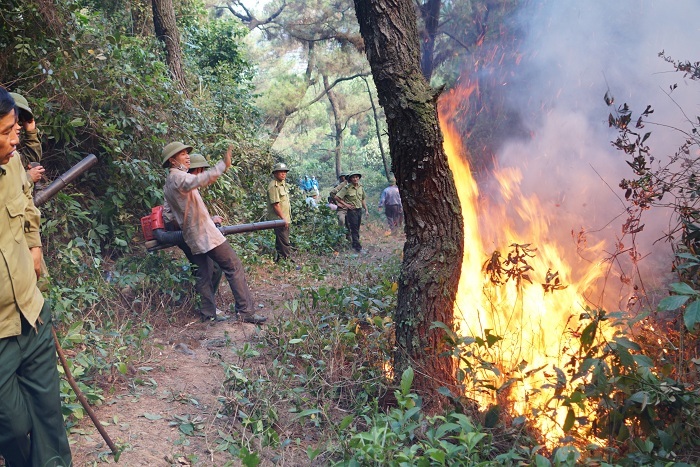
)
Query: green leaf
[
  {"x": 345, "y": 422},
  {"x": 249, "y": 459},
  {"x": 569, "y": 421},
  {"x": 187, "y": 428},
  {"x": 641, "y": 397},
  {"x": 681, "y": 288},
  {"x": 626, "y": 343},
  {"x": 438, "y": 456},
  {"x": 588, "y": 335},
  {"x": 667, "y": 441},
  {"x": 151, "y": 416},
  {"x": 625, "y": 357},
  {"x": 691, "y": 317},
  {"x": 541, "y": 461},
  {"x": 406, "y": 380},
  {"x": 673, "y": 302},
  {"x": 312, "y": 453},
  {"x": 307, "y": 413},
  {"x": 643, "y": 361}
]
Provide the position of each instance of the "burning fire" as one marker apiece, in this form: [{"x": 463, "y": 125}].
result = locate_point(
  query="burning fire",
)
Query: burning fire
[{"x": 535, "y": 308}]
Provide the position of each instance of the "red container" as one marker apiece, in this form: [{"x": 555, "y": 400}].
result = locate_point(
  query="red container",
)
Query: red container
[{"x": 151, "y": 222}]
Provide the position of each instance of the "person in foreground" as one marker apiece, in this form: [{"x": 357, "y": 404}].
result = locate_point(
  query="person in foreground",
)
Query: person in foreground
[
  {"x": 198, "y": 164},
  {"x": 204, "y": 239},
  {"x": 32, "y": 431}
]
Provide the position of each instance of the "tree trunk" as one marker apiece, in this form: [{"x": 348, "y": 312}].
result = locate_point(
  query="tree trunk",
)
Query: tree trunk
[
  {"x": 430, "y": 12},
  {"x": 337, "y": 125},
  {"x": 280, "y": 121},
  {"x": 434, "y": 228},
  {"x": 166, "y": 30}
]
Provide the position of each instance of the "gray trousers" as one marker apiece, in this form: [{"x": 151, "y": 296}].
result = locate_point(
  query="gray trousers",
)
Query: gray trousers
[
  {"x": 32, "y": 432},
  {"x": 231, "y": 266},
  {"x": 341, "y": 217}
]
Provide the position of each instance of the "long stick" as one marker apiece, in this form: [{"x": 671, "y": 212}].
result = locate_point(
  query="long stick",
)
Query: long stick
[{"x": 83, "y": 400}]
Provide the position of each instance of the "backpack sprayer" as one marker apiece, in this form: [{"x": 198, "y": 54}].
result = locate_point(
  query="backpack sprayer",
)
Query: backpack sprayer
[{"x": 158, "y": 238}]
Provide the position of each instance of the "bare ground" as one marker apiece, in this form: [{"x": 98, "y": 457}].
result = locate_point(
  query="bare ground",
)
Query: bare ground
[{"x": 169, "y": 412}]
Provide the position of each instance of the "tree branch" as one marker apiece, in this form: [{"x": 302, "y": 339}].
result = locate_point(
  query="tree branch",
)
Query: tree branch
[{"x": 325, "y": 91}]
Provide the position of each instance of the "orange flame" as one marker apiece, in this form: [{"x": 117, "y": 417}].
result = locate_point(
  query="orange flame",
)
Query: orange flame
[{"x": 534, "y": 322}]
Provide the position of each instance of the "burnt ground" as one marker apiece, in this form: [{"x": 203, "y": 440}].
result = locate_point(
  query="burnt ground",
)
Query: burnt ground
[{"x": 169, "y": 410}]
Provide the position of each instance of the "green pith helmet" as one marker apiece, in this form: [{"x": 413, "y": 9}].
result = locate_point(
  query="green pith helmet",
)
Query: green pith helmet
[
  {"x": 280, "y": 167},
  {"x": 171, "y": 149},
  {"x": 198, "y": 161},
  {"x": 351, "y": 173},
  {"x": 22, "y": 104}
]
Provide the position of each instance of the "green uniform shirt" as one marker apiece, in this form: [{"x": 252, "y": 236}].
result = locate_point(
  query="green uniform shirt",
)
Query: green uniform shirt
[
  {"x": 335, "y": 191},
  {"x": 30, "y": 149},
  {"x": 19, "y": 231},
  {"x": 337, "y": 188},
  {"x": 353, "y": 195},
  {"x": 278, "y": 192}
]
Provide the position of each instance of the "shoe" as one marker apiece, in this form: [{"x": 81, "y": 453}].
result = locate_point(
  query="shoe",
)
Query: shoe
[
  {"x": 215, "y": 318},
  {"x": 253, "y": 319}
]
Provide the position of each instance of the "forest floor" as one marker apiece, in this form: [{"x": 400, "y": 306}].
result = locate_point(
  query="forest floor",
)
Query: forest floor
[{"x": 170, "y": 411}]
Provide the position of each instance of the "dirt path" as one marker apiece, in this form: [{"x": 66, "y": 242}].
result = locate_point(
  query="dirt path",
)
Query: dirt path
[{"x": 170, "y": 412}]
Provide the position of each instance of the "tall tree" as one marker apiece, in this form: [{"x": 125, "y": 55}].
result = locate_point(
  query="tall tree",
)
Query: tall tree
[
  {"x": 321, "y": 32},
  {"x": 387, "y": 170},
  {"x": 434, "y": 228},
  {"x": 166, "y": 30}
]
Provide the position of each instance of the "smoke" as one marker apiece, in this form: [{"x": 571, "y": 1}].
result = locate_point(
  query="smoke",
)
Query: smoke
[{"x": 573, "y": 53}]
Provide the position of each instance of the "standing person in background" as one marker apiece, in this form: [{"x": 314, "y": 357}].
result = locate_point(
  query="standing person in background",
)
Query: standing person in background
[
  {"x": 340, "y": 211},
  {"x": 181, "y": 191},
  {"x": 32, "y": 432},
  {"x": 29, "y": 148},
  {"x": 279, "y": 207},
  {"x": 352, "y": 197},
  {"x": 198, "y": 164},
  {"x": 391, "y": 201}
]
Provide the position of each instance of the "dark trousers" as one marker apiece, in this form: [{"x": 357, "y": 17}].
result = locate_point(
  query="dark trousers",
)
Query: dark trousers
[
  {"x": 231, "y": 266},
  {"x": 216, "y": 270},
  {"x": 282, "y": 245},
  {"x": 354, "y": 220},
  {"x": 394, "y": 215},
  {"x": 32, "y": 432}
]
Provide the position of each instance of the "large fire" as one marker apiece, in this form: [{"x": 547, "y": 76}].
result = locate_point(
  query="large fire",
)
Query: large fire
[{"x": 535, "y": 308}]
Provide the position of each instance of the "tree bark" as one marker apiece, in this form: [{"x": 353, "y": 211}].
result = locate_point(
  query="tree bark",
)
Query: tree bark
[
  {"x": 430, "y": 12},
  {"x": 166, "y": 31},
  {"x": 434, "y": 228}
]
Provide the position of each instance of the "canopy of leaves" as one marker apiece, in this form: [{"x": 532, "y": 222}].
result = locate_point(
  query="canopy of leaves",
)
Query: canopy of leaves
[{"x": 97, "y": 82}]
